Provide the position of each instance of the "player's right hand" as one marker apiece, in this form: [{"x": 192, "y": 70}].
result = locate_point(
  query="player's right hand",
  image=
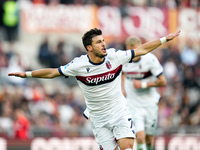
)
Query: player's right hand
[
  {"x": 137, "y": 84},
  {"x": 18, "y": 74},
  {"x": 123, "y": 92}
]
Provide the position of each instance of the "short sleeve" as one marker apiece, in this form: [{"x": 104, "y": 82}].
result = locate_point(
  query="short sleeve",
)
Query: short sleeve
[
  {"x": 68, "y": 70},
  {"x": 156, "y": 68},
  {"x": 125, "y": 56}
]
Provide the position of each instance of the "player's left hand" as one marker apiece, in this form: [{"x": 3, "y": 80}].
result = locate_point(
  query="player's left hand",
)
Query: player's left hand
[
  {"x": 137, "y": 84},
  {"x": 172, "y": 35}
]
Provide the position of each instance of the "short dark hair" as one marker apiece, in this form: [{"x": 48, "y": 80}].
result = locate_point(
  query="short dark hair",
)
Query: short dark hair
[{"x": 87, "y": 37}]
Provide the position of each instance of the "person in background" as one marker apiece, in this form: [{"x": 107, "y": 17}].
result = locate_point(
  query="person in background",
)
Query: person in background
[
  {"x": 21, "y": 125},
  {"x": 140, "y": 78},
  {"x": 10, "y": 20}
]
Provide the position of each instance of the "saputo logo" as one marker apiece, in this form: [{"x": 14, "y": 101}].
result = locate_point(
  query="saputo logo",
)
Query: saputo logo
[
  {"x": 98, "y": 79},
  {"x": 101, "y": 78}
]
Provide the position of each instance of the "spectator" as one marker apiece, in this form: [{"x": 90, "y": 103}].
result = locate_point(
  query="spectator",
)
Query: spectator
[
  {"x": 58, "y": 55},
  {"x": 45, "y": 55},
  {"x": 195, "y": 117},
  {"x": 38, "y": 1},
  {"x": 21, "y": 125},
  {"x": 11, "y": 20},
  {"x": 188, "y": 55},
  {"x": 6, "y": 107}
]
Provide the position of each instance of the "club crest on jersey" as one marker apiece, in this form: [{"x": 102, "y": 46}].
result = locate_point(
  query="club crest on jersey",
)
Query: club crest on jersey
[
  {"x": 88, "y": 69},
  {"x": 108, "y": 65},
  {"x": 100, "y": 147}
]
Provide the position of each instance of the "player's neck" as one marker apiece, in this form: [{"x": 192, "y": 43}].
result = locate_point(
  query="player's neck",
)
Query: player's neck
[{"x": 95, "y": 59}]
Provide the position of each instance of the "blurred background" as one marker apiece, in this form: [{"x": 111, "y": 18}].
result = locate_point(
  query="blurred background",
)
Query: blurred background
[{"x": 45, "y": 114}]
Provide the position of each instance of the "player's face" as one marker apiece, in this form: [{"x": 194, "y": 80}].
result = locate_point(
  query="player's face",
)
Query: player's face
[{"x": 99, "y": 46}]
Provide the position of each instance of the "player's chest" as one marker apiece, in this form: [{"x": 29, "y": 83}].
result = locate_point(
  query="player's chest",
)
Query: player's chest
[
  {"x": 92, "y": 75},
  {"x": 95, "y": 69}
]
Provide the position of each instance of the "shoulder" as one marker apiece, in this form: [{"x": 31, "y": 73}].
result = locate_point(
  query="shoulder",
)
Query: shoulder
[
  {"x": 79, "y": 59},
  {"x": 77, "y": 62},
  {"x": 111, "y": 51},
  {"x": 116, "y": 52},
  {"x": 149, "y": 56}
]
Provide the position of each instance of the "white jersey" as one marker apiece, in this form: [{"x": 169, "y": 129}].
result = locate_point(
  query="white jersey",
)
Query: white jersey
[
  {"x": 147, "y": 69},
  {"x": 101, "y": 83}
]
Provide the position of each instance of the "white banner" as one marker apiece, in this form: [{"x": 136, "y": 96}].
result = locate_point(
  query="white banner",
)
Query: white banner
[{"x": 61, "y": 18}]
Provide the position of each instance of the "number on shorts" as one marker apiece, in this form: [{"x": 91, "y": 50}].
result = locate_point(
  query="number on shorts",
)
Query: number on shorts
[
  {"x": 154, "y": 123},
  {"x": 131, "y": 121},
  {"x": 131, "y": 126}
]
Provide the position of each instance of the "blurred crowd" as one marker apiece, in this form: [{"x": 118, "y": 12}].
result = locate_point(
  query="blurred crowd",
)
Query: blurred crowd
[
  {"x": 179, "y": 107},
  {"x": 53, "y": 107},
  {"x": 119, "y": 3},
  {"x": 48, "y": 112}
]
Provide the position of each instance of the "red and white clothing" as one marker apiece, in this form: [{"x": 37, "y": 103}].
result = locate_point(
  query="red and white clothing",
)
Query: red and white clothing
[
  {"x": 101, "y": 86},
  {"x": 21, "y": 128},
  {"x": 143, "y": 102},
  {"x": 146, "y": 69}
]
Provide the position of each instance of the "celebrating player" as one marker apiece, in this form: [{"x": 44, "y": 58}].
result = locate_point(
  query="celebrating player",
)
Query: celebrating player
[
  {"x": 99, "y": 76},
  {"x": 139, "y": 79}
]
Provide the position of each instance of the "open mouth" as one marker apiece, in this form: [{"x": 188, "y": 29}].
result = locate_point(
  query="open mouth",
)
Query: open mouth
[{"x": 104, "y": 50}]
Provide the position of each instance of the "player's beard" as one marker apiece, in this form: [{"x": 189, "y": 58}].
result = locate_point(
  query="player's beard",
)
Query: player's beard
[{"x": 100, "y": 55}]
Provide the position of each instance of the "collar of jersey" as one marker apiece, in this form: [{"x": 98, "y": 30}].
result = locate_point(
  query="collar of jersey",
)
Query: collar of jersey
[{"x": 96, "y": 63}]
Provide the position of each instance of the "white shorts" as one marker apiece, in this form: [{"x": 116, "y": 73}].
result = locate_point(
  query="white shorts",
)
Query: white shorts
[
  {"x": 107, "y": 135},
  {"x": 145, "y": 119}
]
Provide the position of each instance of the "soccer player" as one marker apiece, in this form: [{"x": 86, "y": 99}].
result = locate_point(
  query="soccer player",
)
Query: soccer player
[
  {"x": 98, "y": 74},
  {"x": 140, "y": 78}
]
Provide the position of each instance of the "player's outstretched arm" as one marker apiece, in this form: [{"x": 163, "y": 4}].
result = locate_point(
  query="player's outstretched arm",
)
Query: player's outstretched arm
[
  {"x": 42, "y": 73},
  {"x": 150, "y": 46}
]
